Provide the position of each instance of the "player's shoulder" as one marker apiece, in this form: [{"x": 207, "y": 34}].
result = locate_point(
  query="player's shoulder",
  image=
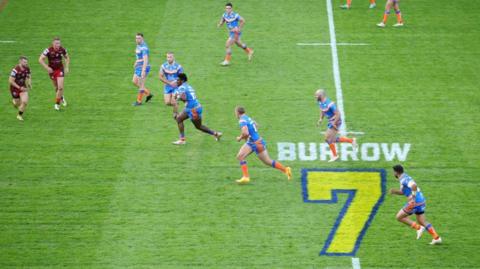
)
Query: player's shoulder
[{"x": 47, "y": 50}]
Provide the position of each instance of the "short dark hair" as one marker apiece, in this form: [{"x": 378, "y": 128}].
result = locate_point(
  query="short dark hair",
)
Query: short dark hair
[
  {"x": 183, "y": 77},
  {"x": 22, "y": 58},
  {"x": 56, "y": 38},
  {"x": 140, "y": 34},
  {"x": 398, "y": 168},
  {"x": 240, "y": 110},
  {"x": 228, "y": 4}
]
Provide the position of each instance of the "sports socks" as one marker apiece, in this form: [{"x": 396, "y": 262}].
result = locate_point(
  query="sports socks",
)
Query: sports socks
[
  {"x": 278, "y": 166},
  {"x": 432, "y": 231},
  {"x": 243, "y": 165}
]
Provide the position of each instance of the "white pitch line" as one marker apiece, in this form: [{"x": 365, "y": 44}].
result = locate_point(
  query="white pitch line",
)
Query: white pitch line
[
  {"x": 336, "y": 67},
  {"x": 7, "y": 41},
  {"x": 356, "y": 263},
  {"x": 329, "y": 44}
]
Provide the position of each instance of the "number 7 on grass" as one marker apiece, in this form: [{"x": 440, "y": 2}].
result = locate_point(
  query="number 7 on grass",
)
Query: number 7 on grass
[{"x": 365, "y": 190}]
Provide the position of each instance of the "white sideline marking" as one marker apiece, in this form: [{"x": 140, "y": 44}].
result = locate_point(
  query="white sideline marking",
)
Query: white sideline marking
[
  {"x": 336, "y": 66},
  {"x": 356, "y": 263},
  {"x": 7, "y": 41},
  {"x": 329, "y": 44}
]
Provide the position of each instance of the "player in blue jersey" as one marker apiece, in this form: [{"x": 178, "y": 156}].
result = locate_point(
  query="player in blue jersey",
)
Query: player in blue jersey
[
  {"x": 415, "y": 205},
  {"x": 168, "y": 74},
  {"x": 142, "y": 68},
  {"x": 235, "y": 24},
  {"x": 255, "y": 143},
  {"x": 193, "y": 110},
  {"x": 329, "y": 109}
]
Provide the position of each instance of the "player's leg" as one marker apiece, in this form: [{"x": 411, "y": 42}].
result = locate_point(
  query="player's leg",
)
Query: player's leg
[
  {"x": 242, "y": 154},
  {"x": 16, "y": 103},
  {"x": 372, "y": 4},
  {"x": 197, "y": 122},
  {"x": 23, "y": 105},
  {"x": 398, "y": 13},
  {"x": 388, "y": 6},
  {"x": 248, "y": 51},
  {"x": 60, "y": 90},
  {"x": 347, "y": 5},
  {"x": 403, "y": 217},
  {"x": 181, "y": 128},
  {"x": 428, "y": 226},
  {"x": 330, "y": 138},
  {"x": 228, "y": 51},
  {"x": 141, "y": 91},
  {"x": 265, "y": 158},
  {"x": 168, "y": 99}
]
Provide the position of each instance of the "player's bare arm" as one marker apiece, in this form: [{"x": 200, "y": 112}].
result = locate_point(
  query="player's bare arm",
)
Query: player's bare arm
[
  {"x": 221, "y": 22},
  {"x": 244, "y": 134},
  {"x": 163, "y": 79},
  {"x": 241, "y": 23},
  {"x": 67, "y": 64},
  {"x": 41, "y": 60},
  {"x": 322, "y": 115},
  {"x": 145, "y": 64},
  {"x": 396, "y": 192},
  {"x": 28, "y": 82},
  {"x": 12, "y": 82}
]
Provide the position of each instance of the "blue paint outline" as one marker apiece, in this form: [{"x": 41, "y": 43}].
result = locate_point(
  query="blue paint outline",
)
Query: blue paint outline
[{"x": 351, "y": 195}]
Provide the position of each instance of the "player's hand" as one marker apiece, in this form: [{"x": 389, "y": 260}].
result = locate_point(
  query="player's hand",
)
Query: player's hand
[
  {"x": 392, "y": 191},
  {"x": 50, "y": 70},
  {"x": 23, "y": 89},
  {"x": 319, "y": 122},
  {"x": 239, "y": 138},
  {"x": 172, "y": 84},
  {"x": 66, "y": 70}
]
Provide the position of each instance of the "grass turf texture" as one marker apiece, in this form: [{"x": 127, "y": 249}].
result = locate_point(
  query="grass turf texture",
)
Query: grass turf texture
[{"x": 99, "y": 184}]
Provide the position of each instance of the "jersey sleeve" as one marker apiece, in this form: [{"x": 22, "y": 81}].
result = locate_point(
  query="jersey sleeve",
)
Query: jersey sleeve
[
  {"x": 13, "y": 73},
  {"x": 180, "y": 69},
  {"x": 242, "y": 123},
  {"x": 411, "y": 183},
  {"x": 65, "y": 53},
  {"x": 45, "y": 52},
  {"x": 333, "y": 107}
]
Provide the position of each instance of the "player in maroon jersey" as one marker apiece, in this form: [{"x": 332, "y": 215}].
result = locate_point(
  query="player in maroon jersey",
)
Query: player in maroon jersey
[
  {"x": 55, "y": 55},
  {"x": 20, "y": 83}
]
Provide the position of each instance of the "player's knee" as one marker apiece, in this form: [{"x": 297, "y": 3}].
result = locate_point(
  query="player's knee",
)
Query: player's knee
[{"x": 240, "y": 157}]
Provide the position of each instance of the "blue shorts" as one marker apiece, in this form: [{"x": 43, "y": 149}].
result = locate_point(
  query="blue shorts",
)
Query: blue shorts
[
  {"x": 169, "y": 89},
  {"x": 138, "y": 71},
  {"x": 232, "y": 34},
  {"x": 330, "y": 124},
  {"x": 258, "y": 146},
  {"x": 194, "y": 113},
  {"x": 418, "y": 208}
]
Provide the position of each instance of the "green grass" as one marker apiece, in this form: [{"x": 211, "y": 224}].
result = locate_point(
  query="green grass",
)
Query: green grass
[{"x": 99, "y": 185}]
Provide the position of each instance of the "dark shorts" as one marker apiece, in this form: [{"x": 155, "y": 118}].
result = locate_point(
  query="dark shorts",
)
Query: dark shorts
[
  {"x": 57, "y": 73},
  {"x": 258, "y": 146},
  {"x": 417, "y": 208},
  {"x": 15, "y": 92}
]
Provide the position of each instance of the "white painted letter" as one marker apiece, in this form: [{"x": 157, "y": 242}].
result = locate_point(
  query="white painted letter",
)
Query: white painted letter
[
  {"x": 375, "y": 152},
  {"x": 395, "y": 151},
  {"x": 286, "y": 151},
  {"x": 312, "y": 148},
  {"x": 347, "y": 150}
]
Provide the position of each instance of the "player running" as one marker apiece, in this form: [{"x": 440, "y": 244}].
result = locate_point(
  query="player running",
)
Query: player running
[
  {"x": 329, "y": 109},
  {"x": 396, "y": 7},
  {"x": 20, "y": 83},
  {"x": 193, "y": 110},
  {"x": 415, "y": 205},
  {"x": 235, "y": 24},
  {"x": 168, "y": 74},
  {"x": 55, "y": 55},
  {"x": 254, "y": 144},
  {"x": 142, "y": 68},
  {"x": 348, "y": 5}
]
